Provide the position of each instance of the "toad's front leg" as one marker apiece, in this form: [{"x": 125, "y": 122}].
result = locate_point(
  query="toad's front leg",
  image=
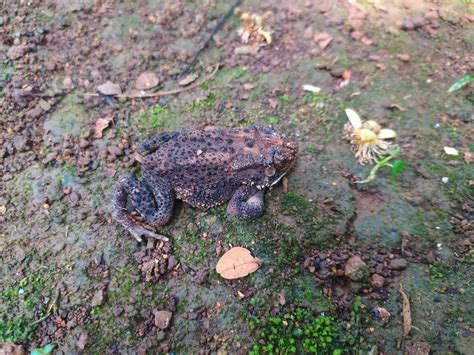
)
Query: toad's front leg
[
  {"x": 246, "y": 203},
  {"x": 152, "y": 197}
]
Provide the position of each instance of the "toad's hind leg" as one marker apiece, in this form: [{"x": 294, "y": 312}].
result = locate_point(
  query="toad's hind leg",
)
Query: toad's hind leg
[
  {"x": 246, "y": 203},
  {"x": 152, "y": 197}
]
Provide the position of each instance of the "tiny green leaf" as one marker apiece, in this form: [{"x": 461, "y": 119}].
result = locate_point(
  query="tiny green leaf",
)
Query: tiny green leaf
[
  {"x": 465, "y": 80},
  {"x": 397, "y": 167}
]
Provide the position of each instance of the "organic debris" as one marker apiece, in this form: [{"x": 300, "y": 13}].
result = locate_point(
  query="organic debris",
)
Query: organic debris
[
  {"x": 368, "y": 139},
  {"x": 109, "y": 88},
  {"x": 311, "y": 88},
  {"x": 100, "y": 125},
  {"x": 451, "y": 151},
  {"x": 406, "y": 312},
  {"x": 237, "y": 263},
  {"x": 253, "y": 29},
  {"x": 188, "y": 79}
]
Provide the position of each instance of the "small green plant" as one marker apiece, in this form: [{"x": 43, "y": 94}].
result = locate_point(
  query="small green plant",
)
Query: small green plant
[
  {"x": 155, "y": 117},
  {"x": 205, "y": 104},
  {"x": 272, "y": 120},
  {"x": 297, "y": 332},
  {"x": 397, "y": 167},
  {"x": 464, "y": 81}
]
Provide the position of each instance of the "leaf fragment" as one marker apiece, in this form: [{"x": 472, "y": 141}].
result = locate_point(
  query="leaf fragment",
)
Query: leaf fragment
[
  {"x": 100, "y": 125},
  {"x": 386, "y": 133},
  {"x": 311, "y": 88},
  {"x": 451, "y": 151},
  {"x": 237, "y": 263},
  {"x": 406, "y": 312}
]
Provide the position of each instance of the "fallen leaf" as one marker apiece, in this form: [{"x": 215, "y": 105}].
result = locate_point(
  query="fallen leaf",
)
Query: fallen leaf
[
  {"x": 236, "y": 263},
  {"x": 109, "y": 88},
  {"x": 468, "y": 157},
  {"x": 188, "y": 79},
  {"x": 406, "y": 312},
  {"x": 311, "y": 88},
  {"x": 465, "y": 80},
  {"x": 397, "y": 106},
  {"x": 451, "y": 151},
  {"x": 324, "y": 43},
  {"x": 100, "y": 125},
  {"x": 403, "y": 57},
  {"x": 146, "y": 81}
]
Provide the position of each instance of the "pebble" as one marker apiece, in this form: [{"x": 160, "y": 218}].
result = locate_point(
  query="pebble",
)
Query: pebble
[
  {"x": 403, "y": 57},
  {"x": 163, "y": 319}
]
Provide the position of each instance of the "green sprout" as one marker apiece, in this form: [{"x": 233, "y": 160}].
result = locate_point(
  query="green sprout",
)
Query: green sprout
[{"x": 396, "y": 167}]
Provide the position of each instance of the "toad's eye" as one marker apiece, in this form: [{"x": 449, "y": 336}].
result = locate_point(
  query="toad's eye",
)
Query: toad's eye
[{"x": 270, "y": 171}]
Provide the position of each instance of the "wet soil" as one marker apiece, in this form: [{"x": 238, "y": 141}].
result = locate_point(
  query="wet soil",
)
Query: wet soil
[{"x": 73, "y": 278}]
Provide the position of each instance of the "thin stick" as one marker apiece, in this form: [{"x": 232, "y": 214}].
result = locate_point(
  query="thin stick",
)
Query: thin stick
[
  {"x": 160, "y": 93},
  {"x": 208, "y": 40}
]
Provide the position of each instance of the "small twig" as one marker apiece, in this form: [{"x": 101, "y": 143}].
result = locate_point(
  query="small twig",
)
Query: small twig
[
  {"x": 160, "y": 93},
  {"x": 208, "y": 40},
  {"x": 51, "y": 308}
]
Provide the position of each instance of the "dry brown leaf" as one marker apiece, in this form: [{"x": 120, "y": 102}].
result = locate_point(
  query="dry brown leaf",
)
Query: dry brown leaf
[
  {"x": 188, "y": 79},
  {"x": 406, "y": 312},
  {"x": 100, "y": 125},
  {"x": 250, "y": 49},
  {"x": 236, "y": 263},
  {"x": 146, "y": 81},
  {"x": 109, "y": 88}
]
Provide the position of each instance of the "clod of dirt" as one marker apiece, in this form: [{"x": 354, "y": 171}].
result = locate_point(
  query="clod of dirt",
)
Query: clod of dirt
[
  {"x": 377, "y": 281},
  {"x": 163, "y": 319},
  {"x": 16, "y": 52},
  {"x": 146, "y": 81},
  {"x": 98, "y": 298},
  {"x": 356, "y": 269},
  {"x": 398, "y": 264},
  {"x": 156, "y": 261}
]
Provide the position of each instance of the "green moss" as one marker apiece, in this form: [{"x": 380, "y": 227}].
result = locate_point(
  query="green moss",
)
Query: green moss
[{"x": 155, "y": 117}]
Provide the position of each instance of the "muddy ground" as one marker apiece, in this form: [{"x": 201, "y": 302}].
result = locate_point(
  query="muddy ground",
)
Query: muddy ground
[{"x": 73, "y": 278}]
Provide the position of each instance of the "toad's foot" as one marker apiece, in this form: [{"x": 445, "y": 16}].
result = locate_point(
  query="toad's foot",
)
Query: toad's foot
[
  {"x": 153, "y": 200},
  {"x": 246, "y": 203}
]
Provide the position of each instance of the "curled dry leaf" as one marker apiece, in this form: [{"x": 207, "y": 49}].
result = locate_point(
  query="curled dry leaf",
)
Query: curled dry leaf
[
  {"x": 237, "y": 263},
  {"x": 109, "y": 88},
  {"x": 100, "y": 125},
  {"x": 383, "y": 313},
  {"x": 188, "y": 79},
  {"x": 406, "y": 312},
  {"x": 146, "y": 81}
]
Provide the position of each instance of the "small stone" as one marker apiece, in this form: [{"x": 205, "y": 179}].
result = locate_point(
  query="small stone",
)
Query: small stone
[
  {"x": 337, "y": 72},
  {"x": 398, "y": 264},
  {"x": 117, "y": 311},
  {"x": 67, "y": 83},
  {"x": 356, "y": 269},
  {"x": 160, "y": 335},
  {"x": 98, "y": 298},
  {"x": 418, "y": 21},
  {"x": 431, "y": 15},
  {"x": 163, "y": 319},
  {"x": 308, "y": 33},
  {"x": 377, "y": 281},
  {"x": 403, "y": 57},
  {"x": 172, "y": 262}
]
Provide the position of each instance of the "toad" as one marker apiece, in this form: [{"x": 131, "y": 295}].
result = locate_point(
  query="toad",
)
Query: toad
[{"x": 203, "y": 168}]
